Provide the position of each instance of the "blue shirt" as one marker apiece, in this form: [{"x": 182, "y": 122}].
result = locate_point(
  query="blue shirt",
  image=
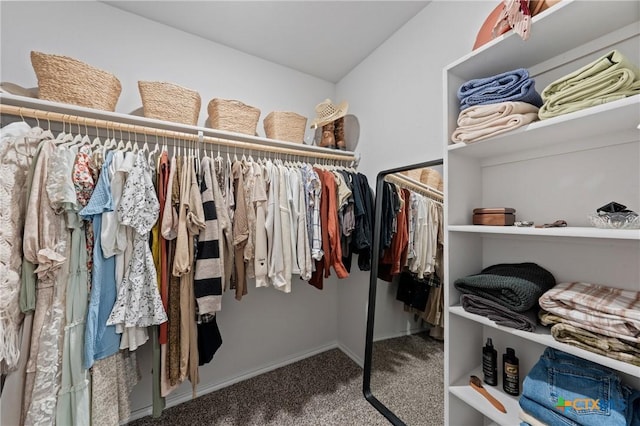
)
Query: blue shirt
[{"x": 100, "y": 340}]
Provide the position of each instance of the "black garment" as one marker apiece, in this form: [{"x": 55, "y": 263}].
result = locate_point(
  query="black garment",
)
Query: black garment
[
  {"x": 390, "y": 209},
  {"x": 345, "y": 240},
  {"x": 209, "y": 340},
  {"x": 362, "y": 240},
  {"x": 414, "y": 292}
]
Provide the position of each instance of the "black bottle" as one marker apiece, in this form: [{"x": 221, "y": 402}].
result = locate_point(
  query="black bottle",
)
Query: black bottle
[
  {"x": 511, "y": 373},
  {"x": 490, "y": 363}
]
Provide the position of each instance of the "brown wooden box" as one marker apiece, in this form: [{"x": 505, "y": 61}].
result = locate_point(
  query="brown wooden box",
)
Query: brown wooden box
[{"x": 499, "y": 216}]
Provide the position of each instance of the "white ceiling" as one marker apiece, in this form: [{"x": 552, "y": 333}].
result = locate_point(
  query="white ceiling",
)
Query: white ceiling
[{"x": 326, "y": 39}]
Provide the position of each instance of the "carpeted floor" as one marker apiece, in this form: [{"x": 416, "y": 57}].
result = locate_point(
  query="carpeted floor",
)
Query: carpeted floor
[{"x": 326, "y": 389}]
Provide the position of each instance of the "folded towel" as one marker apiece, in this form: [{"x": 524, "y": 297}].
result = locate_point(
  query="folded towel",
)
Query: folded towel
[
  {"x": 485, "y": 121},
  {"x": 607, "y": 79},
  {"x": 609, "y": 311},
  {"x": 498, "y": 313},
  {"x": 509, "y": 86},
  {"x": 514, "y": 285},
  {"x": 593, "y": 342}
]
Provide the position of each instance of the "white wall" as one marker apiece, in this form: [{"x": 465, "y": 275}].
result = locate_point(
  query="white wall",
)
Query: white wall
[
  {"x": 133, "y": 48},
  {"x": 396, "y": 92},
  {"x": 267, "y": 327}
]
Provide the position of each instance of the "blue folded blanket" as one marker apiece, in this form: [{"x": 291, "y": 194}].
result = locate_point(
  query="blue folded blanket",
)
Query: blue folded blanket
[{"x": 509, "y": 86}]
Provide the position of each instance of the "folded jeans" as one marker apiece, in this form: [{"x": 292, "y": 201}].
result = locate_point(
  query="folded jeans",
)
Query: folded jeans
[{"x": 580, "y": 391}]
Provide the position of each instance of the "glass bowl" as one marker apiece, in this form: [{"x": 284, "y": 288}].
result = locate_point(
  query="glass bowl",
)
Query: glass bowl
[{"x": 620, "y": 220}]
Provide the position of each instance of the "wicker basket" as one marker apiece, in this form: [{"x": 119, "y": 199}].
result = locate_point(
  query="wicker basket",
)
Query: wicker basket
[
  {"x": 67, "y": 80},
  {"x": 169, "y": 102},
  {"x": 431, "y": 178},
  {"x": 413, "y": 174},
  {"x": 285, "y": 126},
  {"x": 233, "y": 116}
]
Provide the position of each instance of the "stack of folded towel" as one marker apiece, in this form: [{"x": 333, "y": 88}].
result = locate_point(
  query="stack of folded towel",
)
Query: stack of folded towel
[
  {"x": 506, "y": 293},
  {"x": 562, "y": 389},
  {"x": 494, "y": 105},
  {"x": 598, "y": 319},
  {"x": 607, "y": 79}
]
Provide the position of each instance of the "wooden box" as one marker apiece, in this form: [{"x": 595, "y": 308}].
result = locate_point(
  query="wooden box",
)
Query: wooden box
[{"x": 499, "y": 216}]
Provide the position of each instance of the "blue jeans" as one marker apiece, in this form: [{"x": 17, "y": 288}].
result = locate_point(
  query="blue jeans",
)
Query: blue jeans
[{"x": 567, "y": 390}]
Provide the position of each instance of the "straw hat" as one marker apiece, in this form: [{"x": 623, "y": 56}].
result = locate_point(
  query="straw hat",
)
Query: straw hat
[{"x": 326, "y": 112}]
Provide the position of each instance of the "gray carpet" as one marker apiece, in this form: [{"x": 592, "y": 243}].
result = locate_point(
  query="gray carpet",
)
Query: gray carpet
[{"x": 326, "y": 389}]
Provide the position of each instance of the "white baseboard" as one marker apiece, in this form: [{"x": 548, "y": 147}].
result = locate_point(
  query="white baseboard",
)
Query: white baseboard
[
  {"x": 400, "y": 333},
  {"x": 176, "y": 399},
  {"x": 348, "y": 352}
]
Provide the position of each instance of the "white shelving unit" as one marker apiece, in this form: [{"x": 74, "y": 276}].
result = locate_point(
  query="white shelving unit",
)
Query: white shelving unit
[{"x": 560, "y": 168}]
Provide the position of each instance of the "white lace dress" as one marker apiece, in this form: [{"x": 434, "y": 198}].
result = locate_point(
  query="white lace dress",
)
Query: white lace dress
[
  {"x": 13, "y": 170},
  {"x": 45, "y": 245},
  {"x": 138, "y": 302}
]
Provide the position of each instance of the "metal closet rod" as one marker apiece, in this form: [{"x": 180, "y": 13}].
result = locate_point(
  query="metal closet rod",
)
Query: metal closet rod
[
  {"x": 151, "y": 131},
  {"x": 414, "y": 185}
]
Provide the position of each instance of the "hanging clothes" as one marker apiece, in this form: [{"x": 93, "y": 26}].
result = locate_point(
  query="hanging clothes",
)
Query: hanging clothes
[
  {"x": 208, "y": 270},
  {"x": 138, "y": 303},
  {"x": 111, "y": 249},
  {"x": 330, "y": 232},
  {"x": 260, "y": 200},
  {"x": 101, "y": 340},
  {"x": 17, "y": 141},
  {"x": 170, "y": 357},
  {"x": 73, "y": 399},
  {"x": 240, "y": 230},
  {"x": 45, "y": 245}
]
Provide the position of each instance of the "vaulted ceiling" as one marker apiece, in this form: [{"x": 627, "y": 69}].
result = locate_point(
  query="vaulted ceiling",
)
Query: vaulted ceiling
[{"x": 326, "y": 39}]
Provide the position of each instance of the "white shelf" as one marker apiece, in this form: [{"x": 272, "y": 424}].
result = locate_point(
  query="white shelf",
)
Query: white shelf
[
  {"x": 573, "y": 160},
  {"x": 543, "y": 337},
  {"x": 601, "y": 120},
  {"x": 569, "y": 231},
  {"x": 557, "y": 30},
  {"x": 466, "y": 393},
  {"x": 26, "y": 102}
]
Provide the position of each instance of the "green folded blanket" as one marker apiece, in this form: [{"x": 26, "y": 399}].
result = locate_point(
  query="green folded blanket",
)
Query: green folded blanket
[
  {"x": 607, "y": 79},
  {"x": 514, "y": 285}
]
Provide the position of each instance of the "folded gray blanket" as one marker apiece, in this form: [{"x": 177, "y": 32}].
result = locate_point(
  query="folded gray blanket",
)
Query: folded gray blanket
[
  {"x": 516, "y": 286},
  {"x": 498, "y": 313}
]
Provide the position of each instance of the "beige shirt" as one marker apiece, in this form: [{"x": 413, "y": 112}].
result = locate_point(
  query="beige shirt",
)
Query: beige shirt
[{"x": 259, "y": 198}]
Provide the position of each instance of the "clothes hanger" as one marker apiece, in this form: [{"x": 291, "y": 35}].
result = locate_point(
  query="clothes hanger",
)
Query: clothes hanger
[
  {"x": 111, "y": 143},
  {"x": 136, "y": 148},
  {"x": 129, "y": 145},
  {"x": 121, "y": 145},
  {"x": 15, "y": 140},
  {"x": 96, "y": 141},
  {"x": 63, "y": 137},
  {"x": 47, "y": 134},
  {"x": 75, "y": 140},
  {"x": 85, "y": 139}
]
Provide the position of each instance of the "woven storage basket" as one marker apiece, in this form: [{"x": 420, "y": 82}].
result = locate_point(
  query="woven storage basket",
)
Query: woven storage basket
[
  {"x": 285, "y": 126},
  {"x": 233, "y": 116},
  {"x": 169, "y": 102},
  {"x": 413, "y": 174},
  {"x": 67, "y": 80},
  {"x": 431, "y": 178}
]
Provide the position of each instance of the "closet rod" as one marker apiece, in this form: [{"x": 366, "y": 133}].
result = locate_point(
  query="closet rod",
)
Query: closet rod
[
  {"x": 151, "y": 131},
  {"x": 416, "y": 186}
]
